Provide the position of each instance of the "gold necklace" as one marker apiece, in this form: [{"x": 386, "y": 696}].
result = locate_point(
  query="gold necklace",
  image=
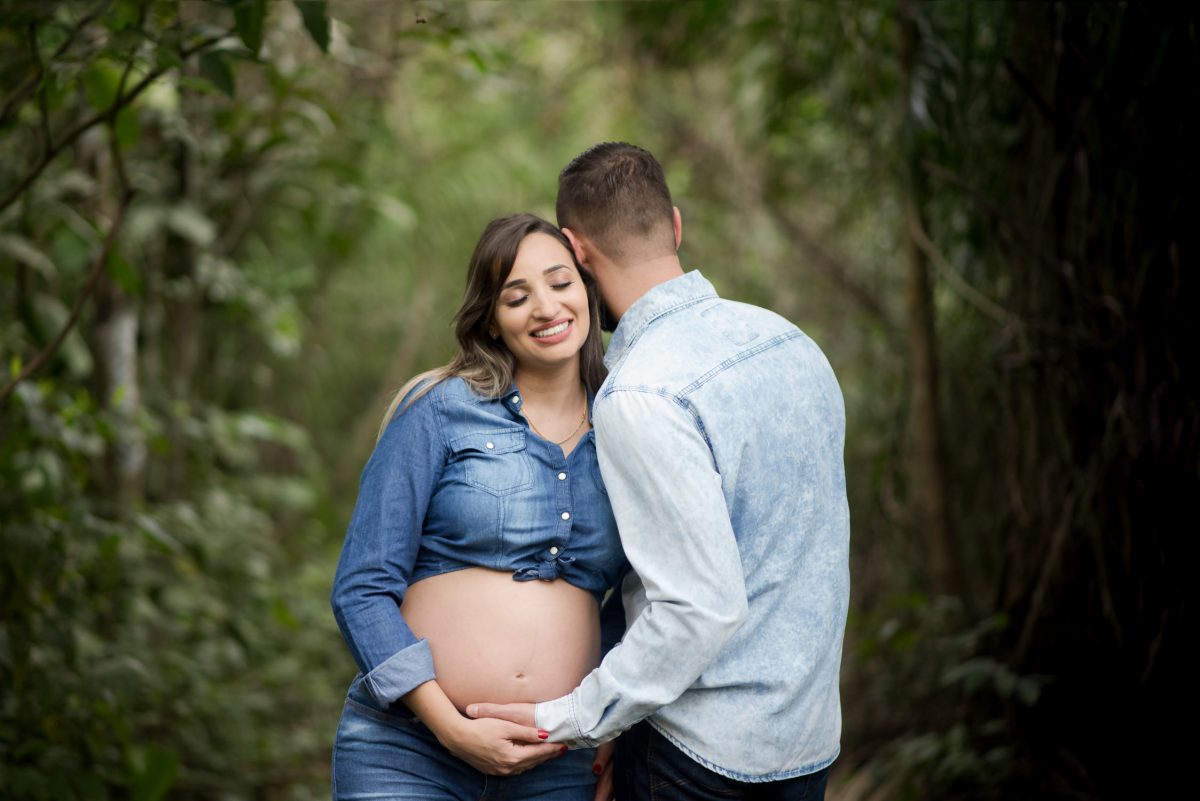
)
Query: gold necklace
[{"x": 582, "y": 420}]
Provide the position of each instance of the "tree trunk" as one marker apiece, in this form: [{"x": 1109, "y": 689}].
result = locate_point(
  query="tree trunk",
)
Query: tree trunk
[
  {"x": 928, "y": 484},
  {"x": 115, "y": 348},
  {"x": 182, "y": 324}
]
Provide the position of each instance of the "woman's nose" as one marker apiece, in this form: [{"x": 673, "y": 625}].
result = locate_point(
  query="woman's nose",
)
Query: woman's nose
[{"x": 545, "y": 305}]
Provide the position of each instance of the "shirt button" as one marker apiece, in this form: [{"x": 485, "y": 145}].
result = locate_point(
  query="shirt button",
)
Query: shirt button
[
  {"x": 489, "y": 446},
  {"x": 562, "y": 476},
  {"x": 554, "y": 551},
  {"x": 566, "y": 515}
]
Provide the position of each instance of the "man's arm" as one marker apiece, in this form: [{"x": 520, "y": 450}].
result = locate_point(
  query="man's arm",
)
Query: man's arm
[{"x": 674, "y": 523}]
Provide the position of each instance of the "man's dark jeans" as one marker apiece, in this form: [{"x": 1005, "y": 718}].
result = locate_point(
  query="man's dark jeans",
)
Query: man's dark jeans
[{"x": 648, "y": 767}]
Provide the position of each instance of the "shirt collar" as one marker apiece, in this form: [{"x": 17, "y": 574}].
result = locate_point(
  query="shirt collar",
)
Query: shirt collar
[
  {"x": 663, "y": 299},
  {"x": 512, "y": 400}
]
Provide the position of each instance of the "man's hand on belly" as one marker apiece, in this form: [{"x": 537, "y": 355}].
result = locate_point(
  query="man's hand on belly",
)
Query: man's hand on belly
[{"x": 521, "y": 714}]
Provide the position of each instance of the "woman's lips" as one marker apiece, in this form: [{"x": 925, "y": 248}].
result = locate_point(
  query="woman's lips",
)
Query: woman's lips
[{"x": 562, "y": 329}]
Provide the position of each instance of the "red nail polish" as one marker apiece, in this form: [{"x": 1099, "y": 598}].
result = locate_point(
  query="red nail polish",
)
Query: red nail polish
[
  {"x": 542, "y": 735},
  {"x": 597, "y": 769}
]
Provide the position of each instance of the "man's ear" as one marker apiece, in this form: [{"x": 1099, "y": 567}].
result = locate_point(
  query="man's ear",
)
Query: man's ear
[
  {"x": 578, "y": 246},
  {"x": 677, "y": 219}
]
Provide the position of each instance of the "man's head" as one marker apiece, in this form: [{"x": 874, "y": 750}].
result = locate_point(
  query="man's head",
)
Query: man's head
[{"x": 615, "y": 195}]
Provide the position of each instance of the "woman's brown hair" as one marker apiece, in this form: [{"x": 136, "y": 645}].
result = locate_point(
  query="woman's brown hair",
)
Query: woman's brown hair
[{"x": 482, "y": 361}]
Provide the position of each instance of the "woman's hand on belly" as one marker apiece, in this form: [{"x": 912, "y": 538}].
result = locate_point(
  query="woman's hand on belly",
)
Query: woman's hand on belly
[
  {"x": 492, "y": 746},
  {"x": 501, "y": 748}
]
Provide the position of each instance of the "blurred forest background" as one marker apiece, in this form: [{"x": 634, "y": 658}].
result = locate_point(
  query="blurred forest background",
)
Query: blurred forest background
[{"x": 229, "y": 230}]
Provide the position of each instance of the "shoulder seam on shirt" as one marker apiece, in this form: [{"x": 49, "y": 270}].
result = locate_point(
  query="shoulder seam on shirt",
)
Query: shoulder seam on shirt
[
  {"x": 742, "y": 356},
  {"x": 442, "y": 425},
  {"x": 642, "y": 390}
]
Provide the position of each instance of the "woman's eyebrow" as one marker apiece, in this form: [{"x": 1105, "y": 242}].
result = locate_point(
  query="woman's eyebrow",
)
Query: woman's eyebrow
[{"x": 519, "y": 281}]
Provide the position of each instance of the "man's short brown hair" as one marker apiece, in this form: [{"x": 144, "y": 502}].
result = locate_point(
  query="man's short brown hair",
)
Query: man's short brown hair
[{"x": 615, "y": 194}]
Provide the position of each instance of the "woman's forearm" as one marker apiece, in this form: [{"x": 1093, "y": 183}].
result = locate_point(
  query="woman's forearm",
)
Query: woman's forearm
[
  {"x": 429, "y": 703},
  {"x": 496, "y": 747}
]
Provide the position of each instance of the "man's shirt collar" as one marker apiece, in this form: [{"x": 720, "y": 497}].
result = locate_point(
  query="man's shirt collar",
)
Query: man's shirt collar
[{"x": 663, "y": 299}]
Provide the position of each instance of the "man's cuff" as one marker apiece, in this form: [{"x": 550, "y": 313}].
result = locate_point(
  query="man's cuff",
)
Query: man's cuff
[
  {"x": 400, "y": 673},
  {"x": 558, "y": 717}
]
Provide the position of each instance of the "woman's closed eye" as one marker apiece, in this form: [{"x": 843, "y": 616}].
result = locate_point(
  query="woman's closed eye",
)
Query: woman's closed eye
[{"x": 513, "y": 303}]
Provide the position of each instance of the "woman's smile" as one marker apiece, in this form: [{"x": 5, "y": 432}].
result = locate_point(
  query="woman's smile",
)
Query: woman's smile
[{"x": 553, "y": 333}]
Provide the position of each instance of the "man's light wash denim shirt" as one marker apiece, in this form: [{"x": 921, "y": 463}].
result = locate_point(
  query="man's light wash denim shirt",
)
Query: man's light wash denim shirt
[
  {"x": 720, "y": 433},
  {"x": 458, "y": 480}
]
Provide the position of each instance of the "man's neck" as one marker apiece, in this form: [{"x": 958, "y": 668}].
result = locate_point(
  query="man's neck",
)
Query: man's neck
[{"x": 636, "y": 279}]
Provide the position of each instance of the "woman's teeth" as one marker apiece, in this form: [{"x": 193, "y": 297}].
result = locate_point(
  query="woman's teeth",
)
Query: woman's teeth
[{"x": 549, "y": 332}]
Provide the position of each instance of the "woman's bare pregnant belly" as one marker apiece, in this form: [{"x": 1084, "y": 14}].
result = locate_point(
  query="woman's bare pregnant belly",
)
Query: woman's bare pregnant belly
[{"x": 503, "y": 641}]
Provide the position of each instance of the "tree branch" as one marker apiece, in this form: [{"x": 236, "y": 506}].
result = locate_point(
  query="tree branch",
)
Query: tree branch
[
  {"x": 109, "y": 113},
  {"x": 96, "y": 269},
  {"x": 834, "y": 268},
  {"x": 43, "y": 109},
  {"x": 1026, "y": 85},
  {"x": 22, "y": 92},
  {"x": 960, "y": 285}
]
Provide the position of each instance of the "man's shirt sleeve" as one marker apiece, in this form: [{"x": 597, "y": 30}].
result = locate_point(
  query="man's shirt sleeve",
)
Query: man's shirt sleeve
[
  {"x": 675, "y": 528},
  {"x": 381, "y": 548}
]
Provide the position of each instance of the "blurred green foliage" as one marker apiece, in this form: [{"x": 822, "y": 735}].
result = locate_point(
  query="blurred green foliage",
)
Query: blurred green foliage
[
  {"x": 325, "y": 200},
  {"x": 305, "y": 183}
]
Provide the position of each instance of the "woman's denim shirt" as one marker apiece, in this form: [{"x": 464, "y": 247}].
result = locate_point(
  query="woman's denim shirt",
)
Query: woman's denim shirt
[{"x": 458, "y": 480}]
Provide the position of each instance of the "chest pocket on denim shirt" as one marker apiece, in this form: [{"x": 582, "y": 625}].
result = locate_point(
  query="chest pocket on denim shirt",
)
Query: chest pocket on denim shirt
[{"x": 494, "y": 461}]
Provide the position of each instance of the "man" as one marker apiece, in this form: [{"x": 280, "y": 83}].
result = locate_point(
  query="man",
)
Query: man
[{"x": 720, "y": 432}]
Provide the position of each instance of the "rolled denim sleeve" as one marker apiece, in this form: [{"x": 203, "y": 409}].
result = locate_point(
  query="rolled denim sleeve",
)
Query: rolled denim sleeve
[
  {"x": 675, "y": 527},
  {"x": 381, "y": 548}
]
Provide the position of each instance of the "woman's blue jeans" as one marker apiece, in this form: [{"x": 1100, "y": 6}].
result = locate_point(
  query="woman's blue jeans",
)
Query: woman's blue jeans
[{"x": 381, "y": 756}]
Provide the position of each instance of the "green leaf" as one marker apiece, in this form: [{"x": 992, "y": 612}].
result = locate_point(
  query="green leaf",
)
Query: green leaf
[
  {"x": 1028, "y": 691},
  {"x": 123, "y": 273},
  {"x": 316, "y": 21},
  {"x": 477, "y": 59},
  {"x": 50, "y": 315},
  {"x": 201, "y": 85},
  {"x": 154, "y": 771},
  {"x": 283, "y": 615},
  {"x": 70, "y": 251},
  {"x": 248, "y": 16},
  {"x": 166, "y": 50},
  {"x": 100, "y": 84},
  {"x": 215, "y": 69},
  {"x": 127, "y": 127},
  {"x": 158, "y": 535},
  {"x": 190, "y": 223},
  {"x": 21, "y": 249},
  {"x": 121, "y": 16}
]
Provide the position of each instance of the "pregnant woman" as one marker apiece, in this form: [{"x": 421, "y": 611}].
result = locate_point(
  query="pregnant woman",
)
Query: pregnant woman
[{"x": 482, "y": 543}]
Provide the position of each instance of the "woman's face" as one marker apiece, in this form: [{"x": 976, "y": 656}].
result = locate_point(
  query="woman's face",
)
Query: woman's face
[{"x": 542, "y": 312}]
